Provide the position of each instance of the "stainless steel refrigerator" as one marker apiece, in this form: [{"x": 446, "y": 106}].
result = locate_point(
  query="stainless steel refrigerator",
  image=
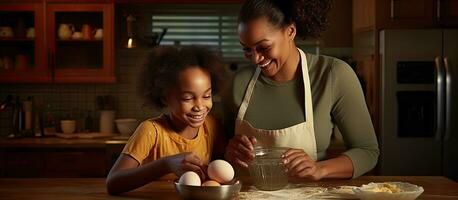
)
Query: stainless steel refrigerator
[{"x": 419, "y": 102}]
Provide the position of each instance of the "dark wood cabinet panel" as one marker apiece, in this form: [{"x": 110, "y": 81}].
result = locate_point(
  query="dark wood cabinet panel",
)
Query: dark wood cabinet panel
[
  {"x": 180, "y": 1},
  {"x": 449, "y": 13},
  {"x": 363, "y": 15},
  {"x": 55, "y": 162},
  {"x": 339, "y": 33},
  {"x": 87, "y": 163},
  {"x": 405, "y": 13},
  {"x": 22, "y": 164},
  {"x": 389, "y": 14},
  {"x": 2, "y": 163}
]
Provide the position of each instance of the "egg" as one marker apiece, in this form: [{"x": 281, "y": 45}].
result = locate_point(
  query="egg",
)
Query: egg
[
  {"x": 189, "y": 178},
  {"x": 210, "y": 183},
  {"x": 220, "y": 171}
]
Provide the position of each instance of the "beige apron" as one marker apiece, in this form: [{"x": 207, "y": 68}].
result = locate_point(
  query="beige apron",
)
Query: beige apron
[{"x": 299, "y": 136}]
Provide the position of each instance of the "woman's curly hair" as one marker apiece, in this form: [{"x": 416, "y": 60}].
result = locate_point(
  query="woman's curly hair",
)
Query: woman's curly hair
[
  {"x": 164, "y": 63},
  {"x": 310, "y": 16}
]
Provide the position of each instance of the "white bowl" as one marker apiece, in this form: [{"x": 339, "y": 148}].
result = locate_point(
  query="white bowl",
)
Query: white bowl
[
  {"x": 378, "y": 191},
  {"x": 126, "y": 126}
]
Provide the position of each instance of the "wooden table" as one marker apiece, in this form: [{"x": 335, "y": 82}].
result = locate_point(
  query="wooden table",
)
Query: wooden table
[{"x": 94, "y": 189}]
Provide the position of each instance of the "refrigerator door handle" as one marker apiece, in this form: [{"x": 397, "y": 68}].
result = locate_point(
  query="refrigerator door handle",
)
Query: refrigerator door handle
[
  {"x": 448, "y": 99},
  {"x": 440, "y": 98}
]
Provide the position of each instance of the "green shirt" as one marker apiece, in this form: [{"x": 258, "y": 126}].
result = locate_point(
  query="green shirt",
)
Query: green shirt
[{"x": 337, "y": 101}]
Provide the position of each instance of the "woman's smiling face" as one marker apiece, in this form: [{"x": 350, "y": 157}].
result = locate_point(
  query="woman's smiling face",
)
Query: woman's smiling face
[{"x": 267, "y": 47}]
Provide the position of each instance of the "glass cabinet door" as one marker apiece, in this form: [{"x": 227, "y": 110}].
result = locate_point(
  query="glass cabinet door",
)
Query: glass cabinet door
[
  {"x": 22, "y": 49},
  {"x": 80, "y": 39}
]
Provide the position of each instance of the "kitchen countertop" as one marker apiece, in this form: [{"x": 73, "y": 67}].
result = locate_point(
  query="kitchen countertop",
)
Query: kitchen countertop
[
  {"x": 56, "y": 142},
  {"x": 94, "y": 188}
]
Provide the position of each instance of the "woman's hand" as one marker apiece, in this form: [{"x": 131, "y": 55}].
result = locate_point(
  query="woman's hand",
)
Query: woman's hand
[
  {"x": 183, "y": 162},
  {"x": 239, "y": 151},
  {"x": 299, "y": 164}
]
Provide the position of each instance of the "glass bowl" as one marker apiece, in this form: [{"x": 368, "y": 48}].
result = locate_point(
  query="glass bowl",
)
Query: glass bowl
[
  {"x": 267, "y": 169},
  {"x": 223, "y": 192}
]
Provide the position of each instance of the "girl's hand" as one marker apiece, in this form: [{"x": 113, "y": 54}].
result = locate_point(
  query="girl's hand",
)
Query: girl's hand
[
  {"x": 188, "y": 161},
  {"x": 299, "y": 164},
  {"x": 239, "y": 151}
]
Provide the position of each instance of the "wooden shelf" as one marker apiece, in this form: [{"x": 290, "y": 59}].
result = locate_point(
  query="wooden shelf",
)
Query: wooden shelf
[
  {"x": 78, "y": 41},
  {"x": 16, "y": 39}
]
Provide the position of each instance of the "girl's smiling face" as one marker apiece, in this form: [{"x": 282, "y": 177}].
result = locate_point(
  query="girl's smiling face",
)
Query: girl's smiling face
[
  {"x": 190, "y": 100},
  {"x": 268, "y": 47}
]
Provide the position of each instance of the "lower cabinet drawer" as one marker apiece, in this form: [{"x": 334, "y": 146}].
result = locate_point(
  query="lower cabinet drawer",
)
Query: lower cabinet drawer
[
  {"x": 76, "y": 163},
  {"x": 24, "y": 164},
  {"x": 53, "y": 162}
]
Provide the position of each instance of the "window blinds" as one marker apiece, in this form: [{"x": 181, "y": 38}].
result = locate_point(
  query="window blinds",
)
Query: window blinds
[{"x": 215, "y": 30}]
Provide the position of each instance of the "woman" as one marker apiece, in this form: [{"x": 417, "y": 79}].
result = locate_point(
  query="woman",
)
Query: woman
[{"x": 294, "y": 99}]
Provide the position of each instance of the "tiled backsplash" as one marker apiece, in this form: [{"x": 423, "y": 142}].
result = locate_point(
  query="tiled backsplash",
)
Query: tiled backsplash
[{"x": 75, "y": 100}]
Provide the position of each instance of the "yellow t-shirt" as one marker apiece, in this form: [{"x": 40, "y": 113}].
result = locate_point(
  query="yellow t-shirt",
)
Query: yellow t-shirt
[{"x": 155, "y": 139}]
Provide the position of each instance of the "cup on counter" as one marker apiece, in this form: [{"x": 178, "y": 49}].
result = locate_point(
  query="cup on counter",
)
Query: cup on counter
[
  {"x": 107, "y": 118},
  {"x": 68, "y": 126}
]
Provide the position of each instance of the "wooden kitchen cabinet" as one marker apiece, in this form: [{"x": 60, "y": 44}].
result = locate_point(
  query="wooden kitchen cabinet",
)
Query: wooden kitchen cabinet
[
  {"x": 22, "y": 50},
  {"x": 50, "y": 58},
  {"x": 398, "y": 14},
  {"x": 86, "y": 59}
]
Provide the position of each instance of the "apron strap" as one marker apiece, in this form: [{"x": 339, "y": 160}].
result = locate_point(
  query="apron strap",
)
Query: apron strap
[
  {"x": 248, "y": 93},
  {"x": 307, "y": 91}
]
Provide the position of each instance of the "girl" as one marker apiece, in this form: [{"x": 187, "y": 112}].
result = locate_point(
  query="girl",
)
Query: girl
[{"x": 181, "y": 80}]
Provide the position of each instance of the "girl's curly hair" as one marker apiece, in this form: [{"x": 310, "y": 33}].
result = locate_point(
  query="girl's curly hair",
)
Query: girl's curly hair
[
  {"x": 164, "y": 63},
  {"x": 310, "y": 16}
]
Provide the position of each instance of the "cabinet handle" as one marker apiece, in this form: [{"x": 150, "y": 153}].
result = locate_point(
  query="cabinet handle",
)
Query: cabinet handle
[
  {"x": 392, "y": 9},
  {"x": 438, "y": 10}
]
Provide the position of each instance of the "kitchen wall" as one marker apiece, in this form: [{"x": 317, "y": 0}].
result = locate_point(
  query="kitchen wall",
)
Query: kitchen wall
[{"x": 75, "y": 100}]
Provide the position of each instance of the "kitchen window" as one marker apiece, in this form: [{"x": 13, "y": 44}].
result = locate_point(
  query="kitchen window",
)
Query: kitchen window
[{"x": 210, "y": 25}]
